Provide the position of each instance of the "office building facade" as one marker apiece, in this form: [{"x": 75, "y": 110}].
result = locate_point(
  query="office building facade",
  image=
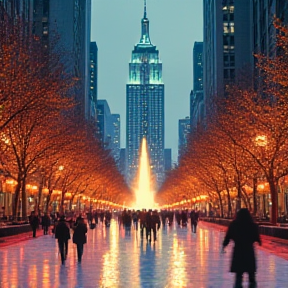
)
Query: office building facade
[
  {"x": 227, "y": 47},
  {"x": 184, "y": 129},
  {"x": 196, "y": 95}
]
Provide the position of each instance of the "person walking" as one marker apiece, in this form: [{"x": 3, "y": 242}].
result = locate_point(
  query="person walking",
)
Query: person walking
[
  {"x": 34, "y": 222},
  {"x": 155, "y": 224},
  {"x": 244, "y": 232},
  {"x": 79, "y": 237},
  {"x": 62, "y": 233},
  {"x": 194, "y": 217},
  {"x": 46, "y": 222}
]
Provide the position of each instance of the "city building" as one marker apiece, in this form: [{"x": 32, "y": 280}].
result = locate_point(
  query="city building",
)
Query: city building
[
  {"x": 64, "y": 27},
  {"x": 93, "y": 81},
  {"x": 227, "y": 47},
  {"x": 168, "y": 159},
  {"x": 264, "y": 32},
  {"x": 196, "y": 95},
  {"x": 108, "y": 129},
  {"x": 145, "y": 107},
  {"x": 184, "y": 129},
  {"x": 122, "y": 161}
]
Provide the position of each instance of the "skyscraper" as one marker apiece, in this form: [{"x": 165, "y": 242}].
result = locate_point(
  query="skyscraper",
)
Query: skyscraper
[
  {"x": 93, "y": 80},
  {"x": 145, "y": 106},
  {"x": 108, "y": 129},
  {"x": 70, "y": 22},
  {"x": 183, "y": 130},
  {"x": 227, "y": 47},
  {"x": 196, "y": 96}
]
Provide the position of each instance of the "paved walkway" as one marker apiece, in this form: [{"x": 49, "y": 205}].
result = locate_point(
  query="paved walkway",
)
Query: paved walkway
[{"x": 178, "y": 258}]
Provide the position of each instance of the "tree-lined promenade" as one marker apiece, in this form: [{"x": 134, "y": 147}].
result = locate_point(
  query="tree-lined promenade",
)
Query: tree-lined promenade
[
  {"x": 44, "y": 142},
  {"x": 244, "y": 144}
]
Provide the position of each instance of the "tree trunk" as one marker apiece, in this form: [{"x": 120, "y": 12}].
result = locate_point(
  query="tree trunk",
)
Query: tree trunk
[
  {"x": 16, "y": 197},
  {"x": 255, "y": 196},
  {"x": 41, "y": 184},
  {"x": 239, "y": 196},
  {"x": 229, "y": 201},
  {"x": 221, "y": 205},
  {"x": 50, "y": 191},
  {"x": 24, "y": 199},
  {"x": 274, "y": 200}
]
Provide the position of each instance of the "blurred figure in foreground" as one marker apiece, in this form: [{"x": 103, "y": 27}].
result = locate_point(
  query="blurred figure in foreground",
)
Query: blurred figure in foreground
[{"x": 244, "y": 232}]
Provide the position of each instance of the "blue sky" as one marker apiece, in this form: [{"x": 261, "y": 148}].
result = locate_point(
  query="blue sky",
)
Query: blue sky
[{"x": 174, "y": 27}]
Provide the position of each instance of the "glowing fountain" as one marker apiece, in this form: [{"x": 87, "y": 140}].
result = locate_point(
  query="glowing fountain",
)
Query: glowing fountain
[{"x": 144, "y": 194}]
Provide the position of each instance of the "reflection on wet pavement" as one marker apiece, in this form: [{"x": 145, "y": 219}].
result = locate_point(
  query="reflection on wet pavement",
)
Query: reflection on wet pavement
[{"x": 113, "y": 258}]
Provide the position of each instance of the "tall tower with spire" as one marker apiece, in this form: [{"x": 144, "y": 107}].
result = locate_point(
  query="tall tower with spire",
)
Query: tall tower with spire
[{"x": 145, "y": 106}]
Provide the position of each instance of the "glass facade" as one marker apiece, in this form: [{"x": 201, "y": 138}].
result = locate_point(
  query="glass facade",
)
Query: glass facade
[{"x": 145, "y": 107}]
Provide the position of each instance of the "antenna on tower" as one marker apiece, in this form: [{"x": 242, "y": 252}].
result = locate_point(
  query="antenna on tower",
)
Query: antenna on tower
[{"x": 145, "y": 13}]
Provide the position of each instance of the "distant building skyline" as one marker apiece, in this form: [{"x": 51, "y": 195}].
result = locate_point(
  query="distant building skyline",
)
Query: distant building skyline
[{"x": 175, "y": 26}]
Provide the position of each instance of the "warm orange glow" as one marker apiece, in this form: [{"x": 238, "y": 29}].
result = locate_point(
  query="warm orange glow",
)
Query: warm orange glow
[
  {"x": 261, "y": 140},
  {"x": 143, "y": 193}
]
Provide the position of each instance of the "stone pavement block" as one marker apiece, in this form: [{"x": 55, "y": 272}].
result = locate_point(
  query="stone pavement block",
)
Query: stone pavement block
[{"x": 178, "y": 258}]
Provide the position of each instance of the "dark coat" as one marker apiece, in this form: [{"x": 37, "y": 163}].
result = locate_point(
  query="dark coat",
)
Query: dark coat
[
  {"x": 243, "y": 235},
  {"x": 34, "y": 221},
  {"x": 62, "y": 231},
  {"x": 46, "y": 220},
  {"x": 79, "y": 236}
]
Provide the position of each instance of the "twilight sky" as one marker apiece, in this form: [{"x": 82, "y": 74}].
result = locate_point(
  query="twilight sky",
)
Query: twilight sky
[{"x": 174, "y": 27}]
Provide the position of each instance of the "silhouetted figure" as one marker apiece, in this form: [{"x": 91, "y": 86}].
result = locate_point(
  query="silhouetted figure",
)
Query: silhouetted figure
[
  {"x": 155, "y": 224},
  {"x": 142, "y": 217},
  {"x": 46, "y": 222},
  {"x": 34, "y": 222},
  {"x": 62, "y": 233},
  {"x": 184, "y": 218},
  {"x": 148, "y": 225},
  {"x": 194, "y": 216},
  {"x": 79, "y": 237},
  {"x": 244, "y": 232}
]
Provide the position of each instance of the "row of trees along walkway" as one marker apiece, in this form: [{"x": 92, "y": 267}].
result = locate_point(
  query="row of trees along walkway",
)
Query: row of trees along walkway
[
  {"x": 43, "y": 139},
  {"x": 245, "y": 139}
]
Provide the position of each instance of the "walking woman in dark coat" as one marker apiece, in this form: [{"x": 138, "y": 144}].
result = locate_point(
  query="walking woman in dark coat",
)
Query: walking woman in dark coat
[
  {"x": 62, "y": 233},
  {"x": 79, "y": 237},
  {"x": 244, "y": 232}
]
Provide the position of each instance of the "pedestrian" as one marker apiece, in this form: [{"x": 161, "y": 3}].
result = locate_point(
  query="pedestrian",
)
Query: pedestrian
[
  {"x": 194, "y": 217},
  {"x": 62, "y": 233},
  {"x": 79, "y": 237},
  {"x": 46, "y": 222},
  {"x": 155, "y": 224},
  {"x": 34, "y": 222},
  {"x": 244, "y": 232}
]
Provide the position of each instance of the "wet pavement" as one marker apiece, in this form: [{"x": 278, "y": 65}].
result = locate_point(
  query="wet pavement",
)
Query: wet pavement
[{"x": 113, "y": 258}]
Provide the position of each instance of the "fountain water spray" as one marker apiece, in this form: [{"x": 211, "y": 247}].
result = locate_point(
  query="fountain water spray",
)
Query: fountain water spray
[{"x": 144, "y": 194}]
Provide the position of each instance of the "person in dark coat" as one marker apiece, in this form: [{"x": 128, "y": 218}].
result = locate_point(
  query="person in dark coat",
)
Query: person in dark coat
[
  {"x": 79, "y": 237},
  {"x": 244, "y": 232},
  {"x": 155, "y": 224},
  {"x": 46, "y": 222},
  {"x": 34, "y": 222},
  {"x": 194, "y": 217},
  {"x": 62, "y": 233}
]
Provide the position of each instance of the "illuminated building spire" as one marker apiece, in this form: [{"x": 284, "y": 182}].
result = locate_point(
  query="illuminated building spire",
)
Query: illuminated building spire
[
  {"x": 145, "y": 38},
  {"x": 145, "y": 13}
]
